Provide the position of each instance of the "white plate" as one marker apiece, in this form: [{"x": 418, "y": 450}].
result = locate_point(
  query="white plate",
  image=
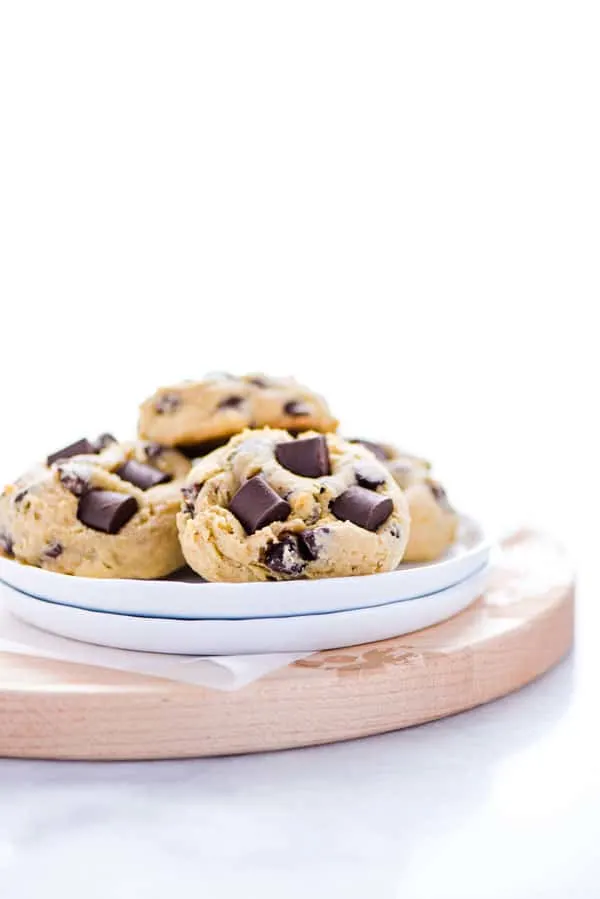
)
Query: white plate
[
  {"x": 305, "y": 633},
  {"x": 187, "y": 596}
]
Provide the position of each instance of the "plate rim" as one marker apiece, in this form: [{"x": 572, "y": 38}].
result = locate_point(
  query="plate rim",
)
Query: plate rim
[
  {"x": 297, "y": 597},
  {"x": 227, "y": 637},
  {"x": 484, "y": 567}
]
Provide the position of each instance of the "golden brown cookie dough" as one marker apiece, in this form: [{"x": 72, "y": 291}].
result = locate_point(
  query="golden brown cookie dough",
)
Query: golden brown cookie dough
[
  {"x": 433, "y": 521},
  {"x": 268, "y": 506},
  {"x": 197, "y": 415},
  {"x": 43, "y": 515}
]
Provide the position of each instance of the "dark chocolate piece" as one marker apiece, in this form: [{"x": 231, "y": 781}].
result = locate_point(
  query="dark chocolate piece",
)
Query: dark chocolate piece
[
  {"x": 285, "y": 556},
  {"x": 440, "y": 496},
  {"x": 308, "y": 458},
  {"x": 255, "y": 505},
  {"x": 142, "y": 476},
  {"x": 437, "y": 490},
  {"x": 296, "y": 408},
  {"x": 231, "y": 402},
  {"x": 73, "y": 482},
  {"x": 6, "y": 544},
  {"x": 190, "y": 495},
  {"x": 362, "y": 507},
  {"x": 103, "y": 441},
  {"x": 81, "y": 447},
  {"x": 20, "y": 496},
  {"x": 154, "y": 450},
  {"x": 166, "y": 403},
  {"x": 105, "y": 510},
  {"x": 375, "y": 448},
  {"x": 311, "y": 542},
  {"x": 54, "y": 550},
  {"x": 369, "y": 476}
]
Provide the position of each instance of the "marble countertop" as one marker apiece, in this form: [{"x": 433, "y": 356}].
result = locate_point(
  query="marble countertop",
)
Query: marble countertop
[{"x": 502, "y": 801}]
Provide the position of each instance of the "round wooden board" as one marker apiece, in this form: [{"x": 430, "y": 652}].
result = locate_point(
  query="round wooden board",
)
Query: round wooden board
[{"x": 521, "y": 627}]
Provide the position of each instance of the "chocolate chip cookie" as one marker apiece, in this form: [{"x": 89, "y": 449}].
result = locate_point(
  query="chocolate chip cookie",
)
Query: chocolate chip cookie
[
  {"x": 433, "y": 521},
  {"x": 268, "y": 506},
  {"x": 197, "y": 416},
  {"x": 98, "y": 509}
]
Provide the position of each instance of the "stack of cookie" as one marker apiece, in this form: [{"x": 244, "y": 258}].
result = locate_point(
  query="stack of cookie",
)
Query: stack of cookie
[{"x": 274, "y": 493}]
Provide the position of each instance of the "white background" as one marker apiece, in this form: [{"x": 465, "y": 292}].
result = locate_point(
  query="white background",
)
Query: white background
[{"x": 397, "y": 202}]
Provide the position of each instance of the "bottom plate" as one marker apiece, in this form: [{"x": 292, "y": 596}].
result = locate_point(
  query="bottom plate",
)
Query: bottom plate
[
  {"x": 185, "y": 595},
  {"x": 307, "y": 633}
]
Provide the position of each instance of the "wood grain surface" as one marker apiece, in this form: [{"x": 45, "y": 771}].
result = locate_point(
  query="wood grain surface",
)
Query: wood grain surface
[{"x": 518, "y": 629}]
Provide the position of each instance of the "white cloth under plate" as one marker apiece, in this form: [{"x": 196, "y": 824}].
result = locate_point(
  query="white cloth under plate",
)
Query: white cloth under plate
[{"x": 218, "y": 672}]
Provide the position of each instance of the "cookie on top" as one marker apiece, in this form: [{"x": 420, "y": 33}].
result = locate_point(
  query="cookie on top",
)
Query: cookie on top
[{"x": 197, "y": 416}]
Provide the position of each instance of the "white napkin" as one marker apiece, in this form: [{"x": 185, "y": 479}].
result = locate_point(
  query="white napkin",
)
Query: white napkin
[{"x": 218, "y": 672}]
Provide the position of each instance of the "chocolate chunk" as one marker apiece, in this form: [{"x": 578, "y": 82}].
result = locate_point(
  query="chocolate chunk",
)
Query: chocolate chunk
[
  {"x": 379, "y": 451},
  {"x": 81, "y": 447},
  {"x": 54, "y": 550},
  {"x": 437, "y": 490},
  {"x": 440, "y": 495},
  {"x": 20, "y": 496},
  {"x": 258, "y": 381},
  {"x": 6, "y": 544},
  {"x": 105, "y": 510},
  {"x": 73, "y": 482},
  {"x": 190, "y": 495},
  {"x": 142, "y": 476},
  {"x": 285, "y": 556},
  {"x": 312, "y": 541},
  {"x": 231, "y": 402},
  {"x": 296, "y": 408},
  {"x": 255, "y": 505},
  {"x": 154, "y": 450},
  {"x": 308, "y": 458},
  {"x": 166, "y": 403},
  {"x": 362, "y": 507},
  {"x": 103, "y": 441},
  {"x": 369, "y": 476}
]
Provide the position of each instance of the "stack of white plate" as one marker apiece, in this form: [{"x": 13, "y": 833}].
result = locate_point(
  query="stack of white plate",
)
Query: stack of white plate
[{"x": 183, "y": 614}]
